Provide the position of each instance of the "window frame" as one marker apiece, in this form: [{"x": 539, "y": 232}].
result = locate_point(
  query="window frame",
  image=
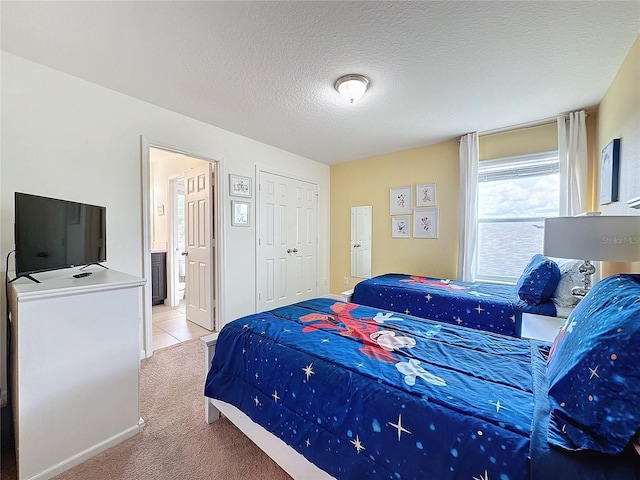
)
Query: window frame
[{"x": 522, "y": 166}]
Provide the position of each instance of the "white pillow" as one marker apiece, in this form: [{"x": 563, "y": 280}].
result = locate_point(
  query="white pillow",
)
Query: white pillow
[{"x": 570, "y": 277}]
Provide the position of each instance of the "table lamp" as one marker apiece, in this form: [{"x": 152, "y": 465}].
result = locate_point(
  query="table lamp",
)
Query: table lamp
[{"x": 611, "y": 238}]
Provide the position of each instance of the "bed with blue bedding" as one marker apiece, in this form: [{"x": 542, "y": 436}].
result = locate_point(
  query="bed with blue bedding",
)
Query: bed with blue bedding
[
  {"x": 482, "y": 306},
  {"x": 366, "y": 393}
]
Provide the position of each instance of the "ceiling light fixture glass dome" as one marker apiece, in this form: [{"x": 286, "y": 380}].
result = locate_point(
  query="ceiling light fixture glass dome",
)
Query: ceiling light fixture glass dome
[{"x": 352, "y": 86}]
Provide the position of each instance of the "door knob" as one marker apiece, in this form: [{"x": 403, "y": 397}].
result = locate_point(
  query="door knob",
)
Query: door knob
[
  {"x": 295, "y": 250},
  {"x": 356, "y": 246},
  {"x": 289, "y": 250},
  {"x": 184, "y": 254}
]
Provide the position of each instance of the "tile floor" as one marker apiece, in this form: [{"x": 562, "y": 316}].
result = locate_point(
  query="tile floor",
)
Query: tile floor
[{"x": 170, "y": 326}]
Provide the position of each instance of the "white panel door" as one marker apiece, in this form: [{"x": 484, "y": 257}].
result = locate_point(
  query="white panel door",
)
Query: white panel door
[
  {"x": 288, "y": 241},
  {"x": 199, "y": 261},
  {"x": 361, "y": 242}
]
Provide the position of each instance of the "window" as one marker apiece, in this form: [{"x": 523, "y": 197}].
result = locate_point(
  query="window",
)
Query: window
[{"x": 515, "y": 195}]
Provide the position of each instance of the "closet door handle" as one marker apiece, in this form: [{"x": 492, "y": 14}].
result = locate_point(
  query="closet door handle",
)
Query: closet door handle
[
  {"x": 289, "y": 251},
  {"x": 295, "y": 250}
]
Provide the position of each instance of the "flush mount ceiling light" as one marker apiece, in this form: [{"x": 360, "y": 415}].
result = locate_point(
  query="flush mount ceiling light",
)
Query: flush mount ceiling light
[{"x": 352, "y": 86}]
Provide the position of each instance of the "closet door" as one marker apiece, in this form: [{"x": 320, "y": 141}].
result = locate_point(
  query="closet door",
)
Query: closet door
[{"x": 288, "y": 240}]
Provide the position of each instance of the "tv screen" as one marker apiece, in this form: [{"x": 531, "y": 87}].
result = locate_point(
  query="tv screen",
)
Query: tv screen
[{"x": 52, "y": 234}]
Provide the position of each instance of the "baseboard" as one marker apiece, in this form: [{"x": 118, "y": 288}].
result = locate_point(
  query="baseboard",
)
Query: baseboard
[{"x": 87, "y": 454}]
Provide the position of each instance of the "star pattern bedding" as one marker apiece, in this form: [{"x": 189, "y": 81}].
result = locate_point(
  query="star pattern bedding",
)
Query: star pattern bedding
[
  {"x": 365, "y": 393},
  {"x": 482, "y": 306}
]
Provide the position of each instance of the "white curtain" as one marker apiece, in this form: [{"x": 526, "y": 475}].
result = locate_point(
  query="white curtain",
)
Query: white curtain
[
  {"x": 468, "y": 227},
  {"x": 572, "y": 152}
]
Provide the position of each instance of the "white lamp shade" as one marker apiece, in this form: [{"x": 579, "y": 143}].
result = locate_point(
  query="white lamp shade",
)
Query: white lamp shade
[
  {"x": 607, "y": 238},
  {"x": 352, "y": 87}
]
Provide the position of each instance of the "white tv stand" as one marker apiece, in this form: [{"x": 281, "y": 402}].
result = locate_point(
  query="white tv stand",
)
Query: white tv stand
[{"x": 75, "y": 367}]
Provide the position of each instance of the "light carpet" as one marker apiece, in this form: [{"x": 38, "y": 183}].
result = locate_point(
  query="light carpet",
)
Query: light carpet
[{"x": 176, "y": 443}]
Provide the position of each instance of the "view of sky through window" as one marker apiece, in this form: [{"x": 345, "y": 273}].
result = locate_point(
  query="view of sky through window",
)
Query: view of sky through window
[
  {"x": 511, "y": 214},
  {"x": 537, "y": 196}
]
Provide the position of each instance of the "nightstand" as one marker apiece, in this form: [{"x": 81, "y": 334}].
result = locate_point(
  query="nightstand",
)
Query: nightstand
[
  {"x": 541, "y": 327},
  {"x": 347, "y": 294}
]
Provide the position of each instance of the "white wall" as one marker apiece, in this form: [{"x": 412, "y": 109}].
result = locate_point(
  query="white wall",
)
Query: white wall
[{"x": 68, "y": 138}]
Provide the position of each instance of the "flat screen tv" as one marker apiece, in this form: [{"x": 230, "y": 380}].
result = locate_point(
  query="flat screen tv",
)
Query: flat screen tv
[{"x": 51, "y": 234}]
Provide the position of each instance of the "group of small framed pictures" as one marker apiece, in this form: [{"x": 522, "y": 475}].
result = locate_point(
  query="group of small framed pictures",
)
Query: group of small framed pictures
[
  {"x": 424, "y": 217},
  {"x": 240, "y": 210}
]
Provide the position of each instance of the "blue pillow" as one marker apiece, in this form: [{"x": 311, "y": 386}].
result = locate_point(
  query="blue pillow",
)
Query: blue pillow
[
  {"x": 594, "y": 370},
  {"x": 539, "y": 280}
]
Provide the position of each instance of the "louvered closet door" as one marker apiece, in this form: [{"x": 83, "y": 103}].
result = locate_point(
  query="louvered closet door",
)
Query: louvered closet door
[{"x": 288, "y": 240}]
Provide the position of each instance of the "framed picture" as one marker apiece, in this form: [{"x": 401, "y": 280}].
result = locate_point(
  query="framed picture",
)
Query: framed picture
[
  {"x": 425, "y": 223},
  {"x": 609, "y": 171},
  {"x": 400, "y": 200},
  {"x": 401, "y": 226},
  {"x": 239, "y": 213},
  {"x": 239, "y": 186},
  {"x": 425, "y": 195}
]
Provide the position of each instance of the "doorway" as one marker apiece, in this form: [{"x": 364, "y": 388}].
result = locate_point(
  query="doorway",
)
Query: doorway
[{"x": 169, "y": 173}]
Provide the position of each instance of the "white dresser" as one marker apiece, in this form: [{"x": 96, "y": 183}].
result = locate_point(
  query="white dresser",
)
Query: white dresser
[{"x": 75, "y": 366}]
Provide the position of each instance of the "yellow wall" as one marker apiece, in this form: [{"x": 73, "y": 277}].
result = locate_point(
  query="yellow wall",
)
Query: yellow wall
[
  {"x": 593, "y": 161},
  {"x": 367, "y": 182},
  {"x": 543, "y": 138},
  {"x": 619, "y": 117}
]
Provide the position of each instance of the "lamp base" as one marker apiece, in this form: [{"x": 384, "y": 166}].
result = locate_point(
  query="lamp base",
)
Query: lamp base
[
  {"x": 587, "y": 269},
  {"x": 579, "y": 292}
]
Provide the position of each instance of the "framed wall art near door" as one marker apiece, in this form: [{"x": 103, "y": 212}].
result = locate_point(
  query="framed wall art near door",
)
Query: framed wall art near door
[
  {"x": 239, "y": 186},
  {"x": 239, "y": 213},
  {"x": 425, "y": 223},
  {"x": 400, "y": 200},
  {"x": 609, "y": 171}
]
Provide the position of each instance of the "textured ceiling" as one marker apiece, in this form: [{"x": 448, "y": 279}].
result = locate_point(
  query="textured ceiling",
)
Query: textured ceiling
[{"x": 266, "y": 70}]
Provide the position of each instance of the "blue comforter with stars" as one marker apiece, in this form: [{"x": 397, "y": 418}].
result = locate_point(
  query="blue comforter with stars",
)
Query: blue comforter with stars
[
  {"x": 483, "y": 306},
  {"x": 366, "y": 393}
]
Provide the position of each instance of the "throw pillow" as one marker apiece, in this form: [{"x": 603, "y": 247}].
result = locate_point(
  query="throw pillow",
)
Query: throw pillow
[
  {"x": 539, "y": 280},
  {"x": 593, "y": 370}
]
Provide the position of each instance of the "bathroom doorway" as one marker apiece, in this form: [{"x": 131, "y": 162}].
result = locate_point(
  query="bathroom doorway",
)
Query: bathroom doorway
[{"x": 174, "y": 177}]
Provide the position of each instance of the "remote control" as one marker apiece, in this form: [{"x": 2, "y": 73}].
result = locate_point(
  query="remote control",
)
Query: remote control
[{"x": 83, "y": 274}]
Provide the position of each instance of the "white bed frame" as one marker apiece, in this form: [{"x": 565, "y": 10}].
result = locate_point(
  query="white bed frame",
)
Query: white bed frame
[{"x": 289, "y": 460}]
